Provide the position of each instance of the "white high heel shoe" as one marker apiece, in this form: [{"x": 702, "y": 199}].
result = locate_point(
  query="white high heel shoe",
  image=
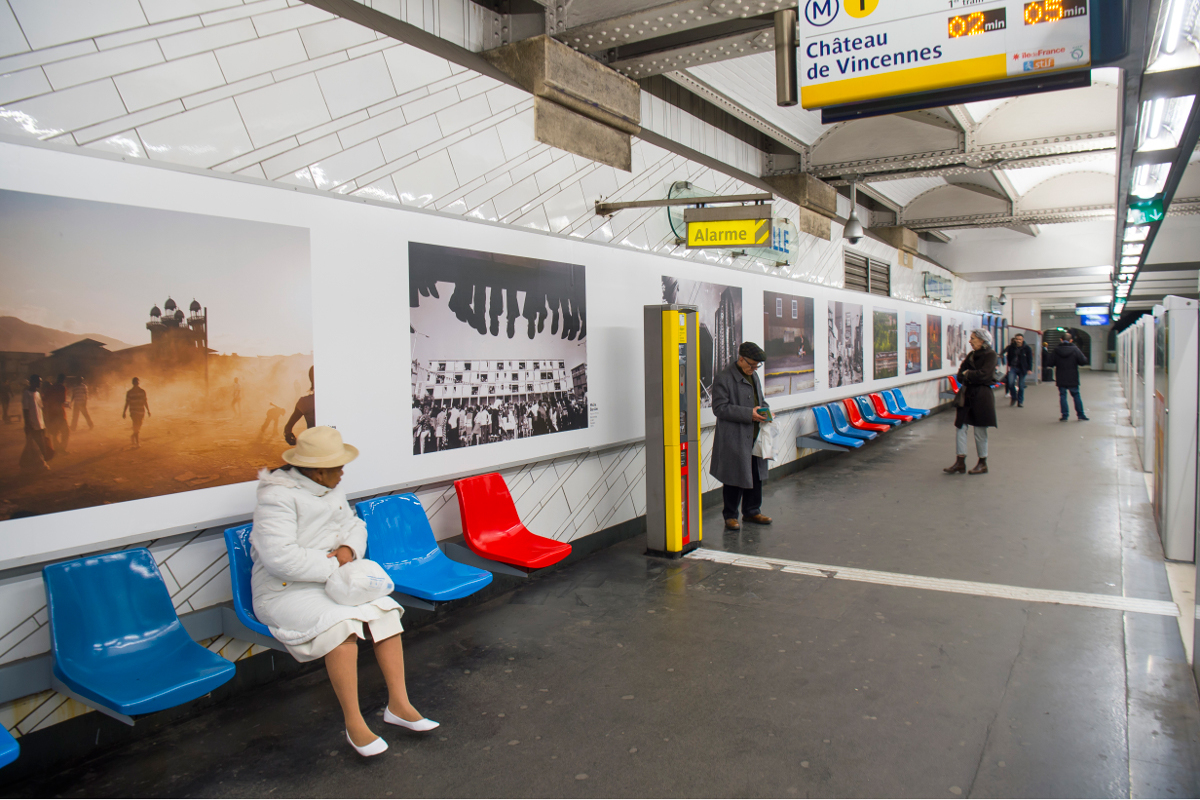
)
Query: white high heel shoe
[
  {"x": 421, "y": 726},
  {"x": 371, "y": 749}
]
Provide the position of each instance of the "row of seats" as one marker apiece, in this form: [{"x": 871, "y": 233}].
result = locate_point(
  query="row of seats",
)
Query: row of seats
[
  {"x": 119, "y": 646},
  {"x": 857, "y": 420}
]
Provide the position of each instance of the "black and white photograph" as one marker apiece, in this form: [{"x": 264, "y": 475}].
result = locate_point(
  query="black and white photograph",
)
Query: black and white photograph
[
  {"x": 499, "y": 347},
  {"x": 845, "y": 344},
  {"x": 720, "y": 324}
]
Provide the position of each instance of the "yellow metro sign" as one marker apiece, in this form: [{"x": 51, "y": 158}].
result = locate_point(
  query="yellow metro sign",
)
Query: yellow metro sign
[
  {"x": 730, "y": 233},
  {"x": 729, "y": 227}
]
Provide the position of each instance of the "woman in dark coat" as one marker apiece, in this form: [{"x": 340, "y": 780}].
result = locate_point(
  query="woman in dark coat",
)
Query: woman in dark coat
[{"x": 976, "y": 375}]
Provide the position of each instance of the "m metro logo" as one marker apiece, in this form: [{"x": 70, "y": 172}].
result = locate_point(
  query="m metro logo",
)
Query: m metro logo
[
  {"x": 820, "y": 13},
  {"x": 729, "y": 233}
]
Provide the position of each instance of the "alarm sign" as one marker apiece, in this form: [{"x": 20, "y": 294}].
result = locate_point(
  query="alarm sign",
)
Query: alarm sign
[{"x": 857, "y": 50}]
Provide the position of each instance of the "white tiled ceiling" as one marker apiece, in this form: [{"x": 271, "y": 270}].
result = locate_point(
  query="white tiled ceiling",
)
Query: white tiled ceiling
[{"x": 750, "y": 82}]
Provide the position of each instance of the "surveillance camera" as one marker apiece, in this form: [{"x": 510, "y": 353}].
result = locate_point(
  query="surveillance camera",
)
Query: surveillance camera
[{"x": 854, "y": 230}]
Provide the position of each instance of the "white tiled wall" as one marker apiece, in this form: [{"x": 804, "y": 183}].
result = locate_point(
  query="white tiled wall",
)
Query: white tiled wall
[{"x": 282, "y": 91}]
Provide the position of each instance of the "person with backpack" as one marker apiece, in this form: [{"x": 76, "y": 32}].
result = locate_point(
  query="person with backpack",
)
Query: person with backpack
[
  {"x": 1020, "y": 362},
  {"x": 1066, "y": 359}
]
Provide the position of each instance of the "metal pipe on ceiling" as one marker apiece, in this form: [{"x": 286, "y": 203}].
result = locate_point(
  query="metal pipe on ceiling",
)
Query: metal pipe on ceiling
[{"x": 787, "y": 22}]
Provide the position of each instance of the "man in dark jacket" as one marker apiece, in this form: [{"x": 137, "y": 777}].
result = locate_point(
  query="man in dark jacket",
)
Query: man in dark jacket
[
  {"x": 1020, "y": 361},
  {"x": 737, "y": 396},
  {"x": 1066, "y": 360}
]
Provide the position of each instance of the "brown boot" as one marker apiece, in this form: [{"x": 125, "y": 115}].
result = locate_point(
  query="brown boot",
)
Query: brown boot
[
  {"x": 960, "y": 465},
  {"x": 758, "y": 519},
  {"x": 979, "y": 468},
  {"x": 733, "y": 524}
]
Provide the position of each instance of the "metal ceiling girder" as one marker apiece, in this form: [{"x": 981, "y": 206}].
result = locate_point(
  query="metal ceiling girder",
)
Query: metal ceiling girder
[
  {"x": 989, "y": 157},
  {"x": 595, "y": 26},
  {"x": 709, "y": 51},
  {"x": 1047, "y": 217},
  {"x": 961, "y": 169},
  {"x": 706, "y": 92}
]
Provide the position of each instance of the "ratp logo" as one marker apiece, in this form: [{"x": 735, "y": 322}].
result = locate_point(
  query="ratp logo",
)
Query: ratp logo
[{"x": 820, "y": 13}]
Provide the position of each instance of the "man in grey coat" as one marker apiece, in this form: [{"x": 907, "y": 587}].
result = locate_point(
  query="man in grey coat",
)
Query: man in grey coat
[{"x": 736, "y": 397}]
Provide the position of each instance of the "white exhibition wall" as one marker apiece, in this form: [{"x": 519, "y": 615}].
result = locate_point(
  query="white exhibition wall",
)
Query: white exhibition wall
[{"x": 362, "y": 344}]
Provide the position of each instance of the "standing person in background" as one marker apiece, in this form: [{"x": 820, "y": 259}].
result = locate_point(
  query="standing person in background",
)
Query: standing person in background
[
  {"x": 138, "y": 406},
  {"x": 1066, "y": 360},
  {"x": 306, "y": 409},
  {"x": 737, "y": 399},
  {"x": 55, "y": 402},
  {"x": 1020, "y": 362},
  {"x": 37, "y": 448},
  {"x": 236, "y": 405},
  {"x": 975, "y": 401},
  {"x": 79, "y": 401},
  {"x": 439, "y": 429},
  {"x": 5, "y": 399}
]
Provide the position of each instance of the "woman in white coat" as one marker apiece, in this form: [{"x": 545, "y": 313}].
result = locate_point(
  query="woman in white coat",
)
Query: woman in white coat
[{"x": 303, "y": 531}]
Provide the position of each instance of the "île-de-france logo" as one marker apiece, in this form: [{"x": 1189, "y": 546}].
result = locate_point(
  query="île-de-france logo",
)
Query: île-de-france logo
[{"x": 820, "y": 13}]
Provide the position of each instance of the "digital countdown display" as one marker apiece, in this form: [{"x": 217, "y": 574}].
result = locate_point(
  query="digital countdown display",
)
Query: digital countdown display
[{"x": 857, "y": 50}]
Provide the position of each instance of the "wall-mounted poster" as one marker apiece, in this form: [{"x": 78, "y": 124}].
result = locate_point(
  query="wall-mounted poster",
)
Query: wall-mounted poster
[
  {"x": 887, "y": 344},
  {"x": 789, "y": 326},
  {"x": 912, "y": 343},
  {"x": 172, "y": 351},
  {"x": 845, "y": 344},
  {"x": 720, "y": 324},
  {"x": 956, "y": 342},
  {"x": 933, "y": 329},
  {"x": 499, "y": 347}
]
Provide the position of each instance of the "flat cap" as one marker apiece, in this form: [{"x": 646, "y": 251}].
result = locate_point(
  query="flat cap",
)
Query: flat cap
[{"x": 752, "y": 351}]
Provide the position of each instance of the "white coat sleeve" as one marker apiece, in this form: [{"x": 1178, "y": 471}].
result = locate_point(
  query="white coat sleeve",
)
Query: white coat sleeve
[
  {"x": 275, "y": 537},
  {"x": 354, "y": 532}
]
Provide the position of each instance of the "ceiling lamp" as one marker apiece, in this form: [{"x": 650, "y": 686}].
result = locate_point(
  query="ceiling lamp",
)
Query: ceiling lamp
[
  {"x": 1127, "y": 261},
  {"x": 1162, "y": 122},
  {"x": 1137, "y": 233},
  {"x": 1150, "y": 179},
  {"x": 1132, "y": 249}
]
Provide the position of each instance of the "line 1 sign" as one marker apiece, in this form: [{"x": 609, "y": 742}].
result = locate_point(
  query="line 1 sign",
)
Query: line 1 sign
[{"x": 857, "y": 50}]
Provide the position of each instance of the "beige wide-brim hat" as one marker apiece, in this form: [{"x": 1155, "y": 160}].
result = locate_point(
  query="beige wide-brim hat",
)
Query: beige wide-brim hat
[{"x": 319, "y": 447}]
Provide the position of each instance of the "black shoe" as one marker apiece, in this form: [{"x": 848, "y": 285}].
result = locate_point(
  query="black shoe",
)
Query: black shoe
[
  {"x": 1081, "y": 419},
  {"x": 1012, "y": 402},
  {"x": 1020, "y": 405},
  {"x": 1063, "y": 419}
]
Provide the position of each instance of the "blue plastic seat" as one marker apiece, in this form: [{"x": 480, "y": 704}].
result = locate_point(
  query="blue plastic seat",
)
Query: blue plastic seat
[
  {"x": 9, "y": 749},
  {"x": 842, "y": 425},
  {"x": 825, "y": 429},
  {"x": 237, "y": 543},
  {"x": 868, "y": 412},
  {"x": 117, "y": 642},
  {"x": 893, "y": 405},
  {"x": 400, "y": 539},
  {"x": 898, "y": 396}
]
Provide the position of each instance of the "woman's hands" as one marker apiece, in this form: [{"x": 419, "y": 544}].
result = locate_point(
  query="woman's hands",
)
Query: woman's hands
[{"x": 343, "y": 554}]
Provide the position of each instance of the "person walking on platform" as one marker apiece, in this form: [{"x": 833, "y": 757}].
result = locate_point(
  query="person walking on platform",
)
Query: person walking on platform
[
  {"x": 1066, "y": 360},
  {"x": 304, "y": 532},
  {"x": 1020, "y": 362},
  {"x": 737, "y": 402},
  {"x": 975, "y": 401}
]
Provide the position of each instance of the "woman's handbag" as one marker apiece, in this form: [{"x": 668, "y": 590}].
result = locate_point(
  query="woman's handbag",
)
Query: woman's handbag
[
  {"x": 960, "y": 397},
  {"x": 357, "y": 582}
]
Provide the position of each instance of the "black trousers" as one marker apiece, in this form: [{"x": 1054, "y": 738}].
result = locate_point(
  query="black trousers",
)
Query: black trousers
[{"x": 750, "y": 499}]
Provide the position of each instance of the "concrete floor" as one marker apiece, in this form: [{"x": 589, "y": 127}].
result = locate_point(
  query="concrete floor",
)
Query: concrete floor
[{"x": 628, "y": 676}]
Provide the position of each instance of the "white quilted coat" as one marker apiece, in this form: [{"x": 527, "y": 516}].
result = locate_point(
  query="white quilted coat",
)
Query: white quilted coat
[{"x": 297, "y": 524}]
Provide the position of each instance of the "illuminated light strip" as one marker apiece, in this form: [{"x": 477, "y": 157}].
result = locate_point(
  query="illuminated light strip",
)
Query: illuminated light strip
[
  {"x": 905, "y": 81},
  {"x": 1138, "y": 605}
]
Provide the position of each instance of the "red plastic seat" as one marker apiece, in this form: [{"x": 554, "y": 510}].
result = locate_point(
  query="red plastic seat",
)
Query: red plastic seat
[
  {"x": 953, "y": 384},
  {"x": 493, "y": 529},
  {"x": 856, "y": 420},
  {"x": 882, "y": 410}
]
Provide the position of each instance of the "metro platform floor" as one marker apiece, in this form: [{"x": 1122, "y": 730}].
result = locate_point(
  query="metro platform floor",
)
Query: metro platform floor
[{"x": 623, "y": 675}]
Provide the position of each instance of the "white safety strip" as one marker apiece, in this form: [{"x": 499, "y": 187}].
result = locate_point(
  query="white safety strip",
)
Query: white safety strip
[{"x": 1136, "y": 604}]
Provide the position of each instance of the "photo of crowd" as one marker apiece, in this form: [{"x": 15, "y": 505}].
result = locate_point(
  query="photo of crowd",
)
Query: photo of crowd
[
  {"x": 499, "y": 347},
  {"x": 845, "y": 344}
]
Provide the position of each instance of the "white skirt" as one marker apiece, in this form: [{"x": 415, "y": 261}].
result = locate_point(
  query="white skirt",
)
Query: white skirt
[{"x": 385, "y": 626}]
